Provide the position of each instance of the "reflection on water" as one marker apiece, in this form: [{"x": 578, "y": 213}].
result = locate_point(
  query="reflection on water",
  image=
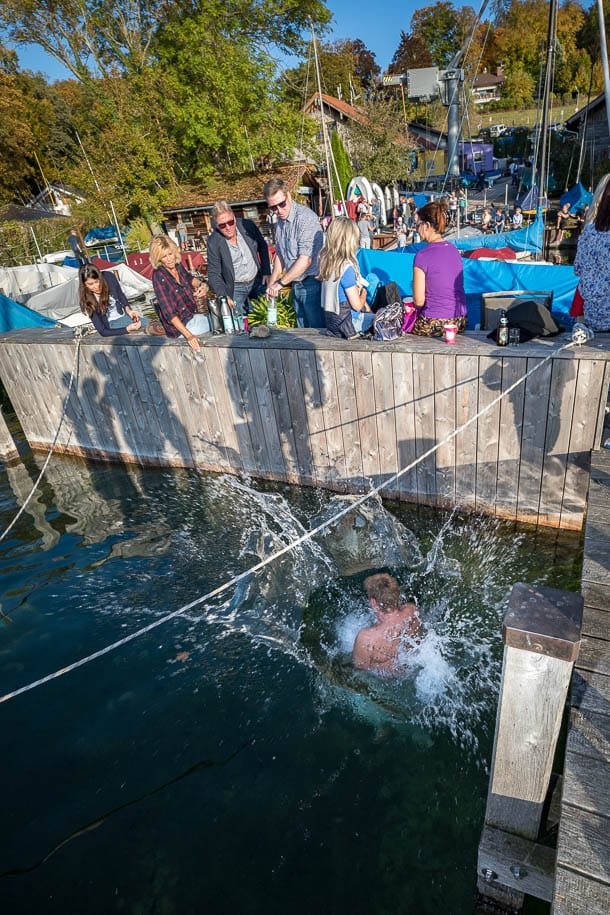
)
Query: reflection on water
[{"x": 239, "y": 733}]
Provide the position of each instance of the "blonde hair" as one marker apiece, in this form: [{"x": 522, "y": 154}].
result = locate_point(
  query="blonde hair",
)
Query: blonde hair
[
  {"x": 161, "y": 245},
  {"x": 342, "y": 242},
  {"x": 221, "y": 206}
]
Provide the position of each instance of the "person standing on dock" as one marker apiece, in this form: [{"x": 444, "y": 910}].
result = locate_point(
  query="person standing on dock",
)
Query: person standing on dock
[
  {"x": 299, "y": 240},
  {"x": 238, "y": 257},
  {"x": 377, "y": 647},
  {"x": 592, "y": 263}
]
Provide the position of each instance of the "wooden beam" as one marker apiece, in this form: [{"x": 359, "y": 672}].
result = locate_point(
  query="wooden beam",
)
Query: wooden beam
[{"x": 518, "y": 863}]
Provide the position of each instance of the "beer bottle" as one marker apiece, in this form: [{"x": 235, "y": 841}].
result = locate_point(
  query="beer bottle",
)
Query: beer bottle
[
  {"x": 502, "y": 337},
  {"x": 227, "y": 317}
]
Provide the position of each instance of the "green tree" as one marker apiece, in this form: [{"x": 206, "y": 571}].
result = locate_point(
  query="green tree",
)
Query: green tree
[
  {"x": 344, "y": 166},
  {"x": 344, "y": 65},
  {"x": 378, "y": 147},
  {"x": 519, "y": 89},
  {"x": 411, "y": 52},
  {"x": 440, "y": 29}
]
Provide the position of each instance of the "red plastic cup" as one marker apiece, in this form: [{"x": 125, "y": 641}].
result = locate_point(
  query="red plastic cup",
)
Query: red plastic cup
[{"x": 450, "y": 333}]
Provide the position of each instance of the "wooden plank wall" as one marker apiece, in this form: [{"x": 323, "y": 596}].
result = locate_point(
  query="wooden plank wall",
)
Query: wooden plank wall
[
  {"x": 582, "y": 879},
  {"x": 308, "y": 409}
]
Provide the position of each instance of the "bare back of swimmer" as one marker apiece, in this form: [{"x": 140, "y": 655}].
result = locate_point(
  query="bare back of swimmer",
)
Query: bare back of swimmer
[{"x": 377, "y": 647}]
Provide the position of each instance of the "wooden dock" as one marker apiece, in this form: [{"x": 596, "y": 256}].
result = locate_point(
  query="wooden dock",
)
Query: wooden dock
[
  {"x": 582, "y": 877},
  {"x": 308, "y": 409}
]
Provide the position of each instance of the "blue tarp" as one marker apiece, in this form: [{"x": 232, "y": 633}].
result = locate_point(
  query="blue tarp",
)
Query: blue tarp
[
  {"x": 578, "y": 197},
  {"x": 14, "y": 316},
  {"x": 527, "y": 239},
  {"x": 102, "y": 233},
  {"x": 479, "y": 276}
]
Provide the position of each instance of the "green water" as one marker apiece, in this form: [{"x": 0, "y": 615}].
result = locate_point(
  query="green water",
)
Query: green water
[{"x": 231, "y": 761}]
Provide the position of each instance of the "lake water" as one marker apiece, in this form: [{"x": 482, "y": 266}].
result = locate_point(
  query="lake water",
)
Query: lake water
[{"x": 231, "y": 761}]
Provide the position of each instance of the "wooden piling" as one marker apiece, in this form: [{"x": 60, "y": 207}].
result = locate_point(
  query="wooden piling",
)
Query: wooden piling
[
  {"x": 541, "y": 642},
  {"x": 8, "y": 449}
]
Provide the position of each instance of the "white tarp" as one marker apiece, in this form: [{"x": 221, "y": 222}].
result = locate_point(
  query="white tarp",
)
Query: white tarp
[
  {"x": 62, "y": 303},
  {"x": 19, "y": 283}
]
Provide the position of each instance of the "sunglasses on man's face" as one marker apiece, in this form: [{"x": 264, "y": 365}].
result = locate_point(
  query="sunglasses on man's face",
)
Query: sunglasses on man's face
[
  {"x": 279, "y": 206},
  {"x": 223, "y": 225}
]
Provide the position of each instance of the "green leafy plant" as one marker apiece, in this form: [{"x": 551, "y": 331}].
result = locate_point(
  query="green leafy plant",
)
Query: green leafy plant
[{"x": 286, "y": 315}]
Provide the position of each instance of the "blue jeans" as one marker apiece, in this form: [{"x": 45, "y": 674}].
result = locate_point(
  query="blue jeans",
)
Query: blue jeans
[
  {"x": 243, "y": 291},
  {"x": 307, "y": 300},
  {"x": 199, "y": 324},
  {"x": 124, "y": 320}
]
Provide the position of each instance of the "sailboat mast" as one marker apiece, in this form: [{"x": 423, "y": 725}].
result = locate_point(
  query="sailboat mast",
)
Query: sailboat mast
[
  {"x": 546, "y": 101},
  {"x": 604, "y": 54},
  {"x": 325, "y": 139}
]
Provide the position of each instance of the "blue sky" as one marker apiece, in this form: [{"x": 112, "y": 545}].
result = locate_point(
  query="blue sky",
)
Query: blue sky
[{"x": 377, "y": 22}]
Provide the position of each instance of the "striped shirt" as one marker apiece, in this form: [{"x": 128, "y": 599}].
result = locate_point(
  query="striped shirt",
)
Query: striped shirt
[{"x": 300, "y": 233}]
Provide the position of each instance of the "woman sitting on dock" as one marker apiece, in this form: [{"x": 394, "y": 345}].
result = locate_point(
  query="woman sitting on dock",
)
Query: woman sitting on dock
[
  {"x": 343, "y": 293},
  {"x": 105, "y": 303},
  {"x": 438, "y": 277},
  {"x": 592, "y": 263},
  {"x": 177, "y": 295}
]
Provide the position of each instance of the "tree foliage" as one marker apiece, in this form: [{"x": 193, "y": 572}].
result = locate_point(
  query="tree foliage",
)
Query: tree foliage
[
  {"x": 345, "y": 65},
  {"x": 343, "y": 164}
]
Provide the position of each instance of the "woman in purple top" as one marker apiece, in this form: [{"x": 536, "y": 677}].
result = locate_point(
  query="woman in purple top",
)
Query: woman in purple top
[{"x": 438, "y": 277}]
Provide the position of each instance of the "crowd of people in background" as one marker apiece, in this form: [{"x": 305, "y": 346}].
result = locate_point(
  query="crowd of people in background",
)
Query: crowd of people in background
[{"x": 318, "y": 261}]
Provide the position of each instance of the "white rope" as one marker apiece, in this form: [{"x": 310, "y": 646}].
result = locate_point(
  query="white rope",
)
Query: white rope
[
  {"x": 53, "y": 443},
  {"x": 291, "y": 546}
]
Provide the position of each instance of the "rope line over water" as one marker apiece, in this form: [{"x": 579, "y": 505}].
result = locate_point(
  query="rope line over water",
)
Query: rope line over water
[
  {"x": 373, "y": 491},
  {"x": 53, "y": 443}
]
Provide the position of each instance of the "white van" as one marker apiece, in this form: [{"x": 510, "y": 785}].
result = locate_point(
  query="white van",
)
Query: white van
[{"x": 496, "y": 130}]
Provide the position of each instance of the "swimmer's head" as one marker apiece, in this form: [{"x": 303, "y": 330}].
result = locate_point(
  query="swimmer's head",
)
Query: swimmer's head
[{"x": 384, "y": 590}]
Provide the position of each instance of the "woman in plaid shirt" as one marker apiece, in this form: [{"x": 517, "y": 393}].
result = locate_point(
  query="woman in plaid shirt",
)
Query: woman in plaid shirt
[{"x": 177, "y": 297}]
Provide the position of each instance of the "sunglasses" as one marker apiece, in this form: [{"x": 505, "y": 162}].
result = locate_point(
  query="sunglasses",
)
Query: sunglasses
[
  {"x": 223, "y": 225},
  {"x": 279, "y": 206}
]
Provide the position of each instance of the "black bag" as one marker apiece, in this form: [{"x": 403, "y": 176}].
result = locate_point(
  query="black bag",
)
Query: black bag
[
  {"x": 386, "y": 294},
  {"x": 532, "y": 318}
]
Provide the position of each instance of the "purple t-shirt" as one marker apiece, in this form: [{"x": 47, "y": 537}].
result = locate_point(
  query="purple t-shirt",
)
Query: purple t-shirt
[{"x": 442, "y": 264}]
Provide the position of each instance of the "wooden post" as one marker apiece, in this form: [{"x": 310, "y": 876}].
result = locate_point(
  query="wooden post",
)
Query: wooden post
[
  {"x": 541, "y": 642},
  {"x": 8, "y": 451}
]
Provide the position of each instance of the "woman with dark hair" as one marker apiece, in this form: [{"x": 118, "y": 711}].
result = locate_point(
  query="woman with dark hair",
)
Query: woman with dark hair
[
  {"x": 105, "y": 303},
  {"x": 592, "y": 263},
  {"x": 438, "y": 277}
]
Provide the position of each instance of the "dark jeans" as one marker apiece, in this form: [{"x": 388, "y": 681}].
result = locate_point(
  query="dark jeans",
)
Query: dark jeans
[
  {"x": 243, "y": 291},
  {"x": 306, "y": 297}
]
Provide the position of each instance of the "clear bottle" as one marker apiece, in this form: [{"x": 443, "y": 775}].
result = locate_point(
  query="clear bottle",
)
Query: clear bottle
[
  {"x": 227, "y": 316},
  {"x": 272, "y": 312},
  {"x": 503, "y": 330}
]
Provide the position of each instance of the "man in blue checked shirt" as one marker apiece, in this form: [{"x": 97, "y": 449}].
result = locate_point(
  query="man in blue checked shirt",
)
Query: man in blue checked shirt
[{"x": 299, "y": 240}]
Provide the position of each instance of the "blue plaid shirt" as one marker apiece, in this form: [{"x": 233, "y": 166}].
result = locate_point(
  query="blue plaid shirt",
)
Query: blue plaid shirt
[
  {"x": 301, "y": 233},
  {"x": 174, "y": 300}
]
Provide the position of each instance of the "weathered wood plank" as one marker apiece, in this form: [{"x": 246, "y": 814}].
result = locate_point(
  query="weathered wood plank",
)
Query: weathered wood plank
[
  {"x": 144, "y": 397},
  {"x": 402, "y": 374},
  {"x": 596, "y": 623},
  {"x": 425, "y": 432},
  {"x": 298, "y": 413},
  {"x": 234, "y": 405},
  {"x": 595, "y": 594},
  {"x": 224, "y": 406},
  {"x": 192, "y": 411},
  {"x": 329, "y": 392},
  {"x": 8, "y": 449},
  {"x": 348, "y": 410},
  {"x": 595, "y": 563},
  {"x": 588, "y": 390},
  {"x": 583, "y": 844},
  {"x": 251, "y": 413},
  {"x": 601, "y": 413},
  {"x": 488, "y": 436},
  {"x": 577, "y": 895},
  {"x": 589, "y": 734},
  {"x": 590, "y": 691},
  {"x": 364, "y": 389},
  {"x": 510, "y": 438},
  {"x": 537, "y": 389},
  {"x": 586, "y": 784},
  {"x": 500, "y": 851},
  {"x": 594, "y": 654},
  {"x": 265, "y": 406},
  {"x": 314, "y": 409},
  {"x": 383, "y": 385},
  {"x": 558, "y": 427},
  {"x": 444, "y": 422},
  {"x": 172, "y": 444},
  {"x": 467, "y": 405},
  {"x": 283, "y": 418}
]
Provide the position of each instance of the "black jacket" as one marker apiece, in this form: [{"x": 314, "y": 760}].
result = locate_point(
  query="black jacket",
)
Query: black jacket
[{"x": 221, "y": 275}]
